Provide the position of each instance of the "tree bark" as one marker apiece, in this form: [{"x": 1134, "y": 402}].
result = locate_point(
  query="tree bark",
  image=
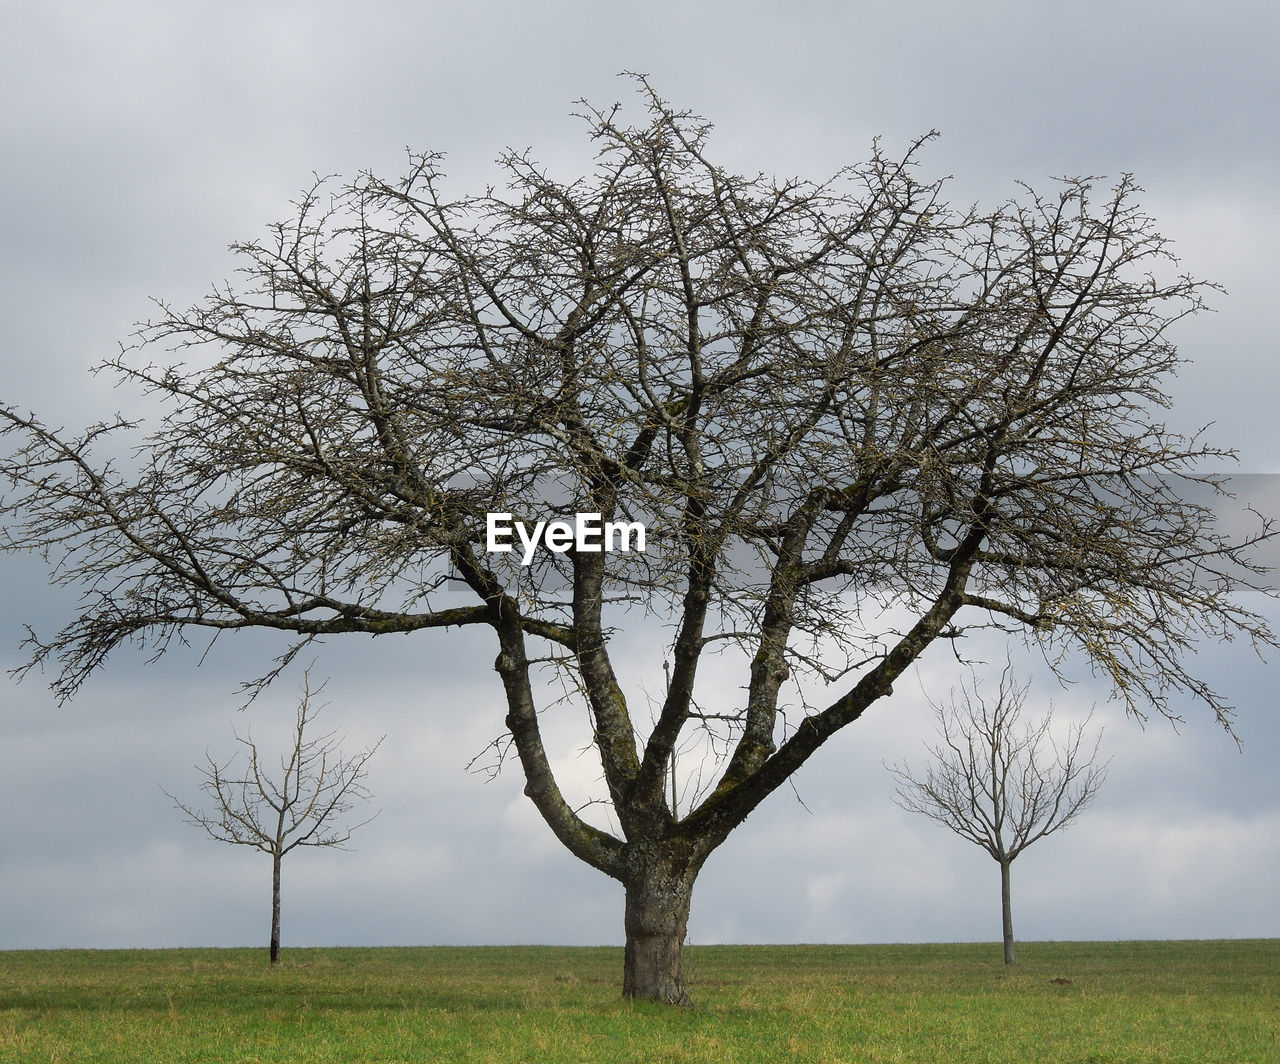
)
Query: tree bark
[
  {"x": 1006, "y": 912},
  {"x": 275, "y": 908},
  {"x": 657, "y": 917}
]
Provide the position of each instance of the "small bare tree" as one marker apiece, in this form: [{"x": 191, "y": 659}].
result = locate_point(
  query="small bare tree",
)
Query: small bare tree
[
  {"x": 304, "y": 807},
  {"x": 1000, "y": 782}
]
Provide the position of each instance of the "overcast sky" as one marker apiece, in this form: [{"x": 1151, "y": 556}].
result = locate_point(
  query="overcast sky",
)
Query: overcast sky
[{"x": 140, "y": 138}]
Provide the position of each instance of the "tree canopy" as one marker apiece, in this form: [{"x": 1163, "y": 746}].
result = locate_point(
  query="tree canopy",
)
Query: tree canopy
[{"x": 853, "y": 419}]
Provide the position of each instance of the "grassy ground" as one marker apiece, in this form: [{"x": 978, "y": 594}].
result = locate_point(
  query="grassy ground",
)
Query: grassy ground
[{"x": 1084, "y": 1003}]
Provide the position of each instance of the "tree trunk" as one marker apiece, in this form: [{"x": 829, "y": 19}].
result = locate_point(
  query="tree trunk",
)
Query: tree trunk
[
  {"x": 1006, "y": 912},
  {"x": 658, "y": 898},
  {"x": 275, "y": 908}
]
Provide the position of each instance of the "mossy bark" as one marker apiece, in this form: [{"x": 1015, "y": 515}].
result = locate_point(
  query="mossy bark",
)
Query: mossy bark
[{"x": 657, "y": 918}]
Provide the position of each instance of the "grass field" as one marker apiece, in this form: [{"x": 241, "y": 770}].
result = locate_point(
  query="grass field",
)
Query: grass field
[{"x": 1084, "y": 1003}]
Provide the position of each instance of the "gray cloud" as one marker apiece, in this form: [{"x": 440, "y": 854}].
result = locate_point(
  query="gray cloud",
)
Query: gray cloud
[{"x": 142, "y": 138}]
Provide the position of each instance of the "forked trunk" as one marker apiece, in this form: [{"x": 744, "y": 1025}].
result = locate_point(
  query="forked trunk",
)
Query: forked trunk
[
  {"x": 658, "y": 898},
  {"x": 1006, "y": 912},
  {"x": 275, "y": 909}
]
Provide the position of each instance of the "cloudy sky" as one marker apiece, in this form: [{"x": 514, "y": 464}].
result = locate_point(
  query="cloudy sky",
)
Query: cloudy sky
[{"x": 140, "y": 138}]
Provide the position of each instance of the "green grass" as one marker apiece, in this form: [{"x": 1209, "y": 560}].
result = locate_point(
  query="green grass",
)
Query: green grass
[{"x": 1121, "y": 1003}]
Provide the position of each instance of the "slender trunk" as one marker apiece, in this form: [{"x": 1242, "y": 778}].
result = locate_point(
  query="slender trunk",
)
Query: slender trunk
[
  {"x": 1006, "y": 912},
  {"x": 275, "y": 908},
  {"x": 658, "y": 897}
]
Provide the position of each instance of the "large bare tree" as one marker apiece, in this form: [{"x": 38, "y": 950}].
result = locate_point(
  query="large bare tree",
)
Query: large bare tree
[
  {"x": 853, "y": 419},
  {"x": 304, "y": 805},
  {"x": 1001, "y": 781}
]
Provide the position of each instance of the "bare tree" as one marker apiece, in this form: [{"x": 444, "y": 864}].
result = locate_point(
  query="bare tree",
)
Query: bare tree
[
  {"x": 853, "y": 420},
  {"x": 304, "y": 806},
  {"x": 1000, "y": 781}
]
